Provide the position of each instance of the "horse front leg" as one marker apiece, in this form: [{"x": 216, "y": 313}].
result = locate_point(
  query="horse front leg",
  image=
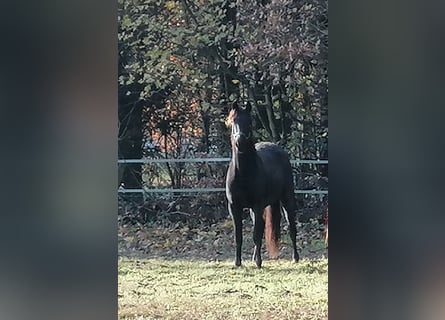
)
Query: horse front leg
[
  {"x": 258, "y": 232},
  {"x": 236, "y": 213}
]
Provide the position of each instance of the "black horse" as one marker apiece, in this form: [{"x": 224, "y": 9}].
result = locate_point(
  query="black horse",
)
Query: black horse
[{"x": 260, "y": 178}]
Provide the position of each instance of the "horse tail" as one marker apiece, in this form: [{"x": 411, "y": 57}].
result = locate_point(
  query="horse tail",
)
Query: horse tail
[{"x": 272, "y": 217}]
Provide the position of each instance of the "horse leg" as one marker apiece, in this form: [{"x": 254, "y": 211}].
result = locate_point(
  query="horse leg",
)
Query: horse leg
[
  {"x": 252, "y": 215},
  {"x": 237, "y": 216},
  {"x": 289, "y": 208},
  {"x": 258, "y": 232}
]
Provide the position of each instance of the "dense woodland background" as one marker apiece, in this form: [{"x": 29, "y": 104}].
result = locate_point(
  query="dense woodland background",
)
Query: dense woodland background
[{"x": 182, "y": 62}]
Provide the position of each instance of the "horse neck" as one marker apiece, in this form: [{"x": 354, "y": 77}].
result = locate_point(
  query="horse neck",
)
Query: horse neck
[{"x": 245, "y": 163}]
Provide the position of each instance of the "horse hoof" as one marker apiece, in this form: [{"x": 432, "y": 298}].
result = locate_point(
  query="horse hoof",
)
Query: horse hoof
[{"x": 296, "y": 258}]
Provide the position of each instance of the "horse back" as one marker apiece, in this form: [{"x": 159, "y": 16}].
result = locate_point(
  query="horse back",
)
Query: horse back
[
  {"x": 275, "y": 163},
  {"x": 276, "y": 172}
]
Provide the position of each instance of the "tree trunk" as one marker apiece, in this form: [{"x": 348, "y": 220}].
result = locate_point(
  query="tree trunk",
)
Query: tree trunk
[
  {"x": 271, "y": 117},
  {"x": 130, "y": 147},
  {"x": 228, "y": 77},
  {"x": 252, "y": 98}
]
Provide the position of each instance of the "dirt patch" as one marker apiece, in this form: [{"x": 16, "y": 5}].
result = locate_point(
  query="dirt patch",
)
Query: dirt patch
[{"x": 212, "y": 242}]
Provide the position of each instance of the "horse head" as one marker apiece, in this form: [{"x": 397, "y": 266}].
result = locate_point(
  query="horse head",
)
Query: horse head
[{"x": 241, "y": 122}]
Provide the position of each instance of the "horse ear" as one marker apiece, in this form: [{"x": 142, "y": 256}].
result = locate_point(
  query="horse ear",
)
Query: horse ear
[
  {"x": 248, "y": 107},
  {"x": 234, "y": 105}
]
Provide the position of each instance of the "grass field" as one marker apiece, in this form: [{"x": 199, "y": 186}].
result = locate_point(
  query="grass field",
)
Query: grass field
[{"x": 193, "y": 289}]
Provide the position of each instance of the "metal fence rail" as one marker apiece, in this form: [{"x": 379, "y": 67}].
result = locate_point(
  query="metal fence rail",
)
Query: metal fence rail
[
  {"x": 199, "y": 190},
  {"x": 192, "y": 160}
]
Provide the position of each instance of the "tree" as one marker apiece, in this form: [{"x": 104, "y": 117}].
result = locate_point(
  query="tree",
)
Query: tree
[
  {"x": 283, "y": 62},
  {"x": 183, "y": 61},
  {"x": 173, "y": 46}
]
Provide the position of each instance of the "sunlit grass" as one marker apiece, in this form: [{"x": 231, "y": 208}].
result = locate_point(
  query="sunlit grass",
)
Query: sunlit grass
[{"x": 165, "y": 289}]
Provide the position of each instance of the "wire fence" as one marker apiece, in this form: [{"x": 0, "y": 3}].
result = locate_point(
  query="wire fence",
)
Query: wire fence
[{"x": 185, "y": 190}]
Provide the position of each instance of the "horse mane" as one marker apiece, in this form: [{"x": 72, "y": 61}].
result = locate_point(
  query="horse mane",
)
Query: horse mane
[{"x": 231, "y": 117}]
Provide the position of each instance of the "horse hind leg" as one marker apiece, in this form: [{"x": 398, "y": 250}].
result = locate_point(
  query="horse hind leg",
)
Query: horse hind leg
[{"x": 289, "y": 207}]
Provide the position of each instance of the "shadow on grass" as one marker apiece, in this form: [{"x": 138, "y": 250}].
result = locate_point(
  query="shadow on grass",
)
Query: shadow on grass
[
  {"x": 248, "y": 268},
  {"x": 309, "y": 253}
]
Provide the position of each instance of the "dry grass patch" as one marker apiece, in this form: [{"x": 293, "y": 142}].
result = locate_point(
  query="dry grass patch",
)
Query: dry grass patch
[{"x": 164, "y": 289}]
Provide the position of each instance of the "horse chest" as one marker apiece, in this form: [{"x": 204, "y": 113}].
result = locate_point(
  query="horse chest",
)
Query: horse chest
[
  {"x": 247, "y": 194},
  {"x": 247, "y": 184}
]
